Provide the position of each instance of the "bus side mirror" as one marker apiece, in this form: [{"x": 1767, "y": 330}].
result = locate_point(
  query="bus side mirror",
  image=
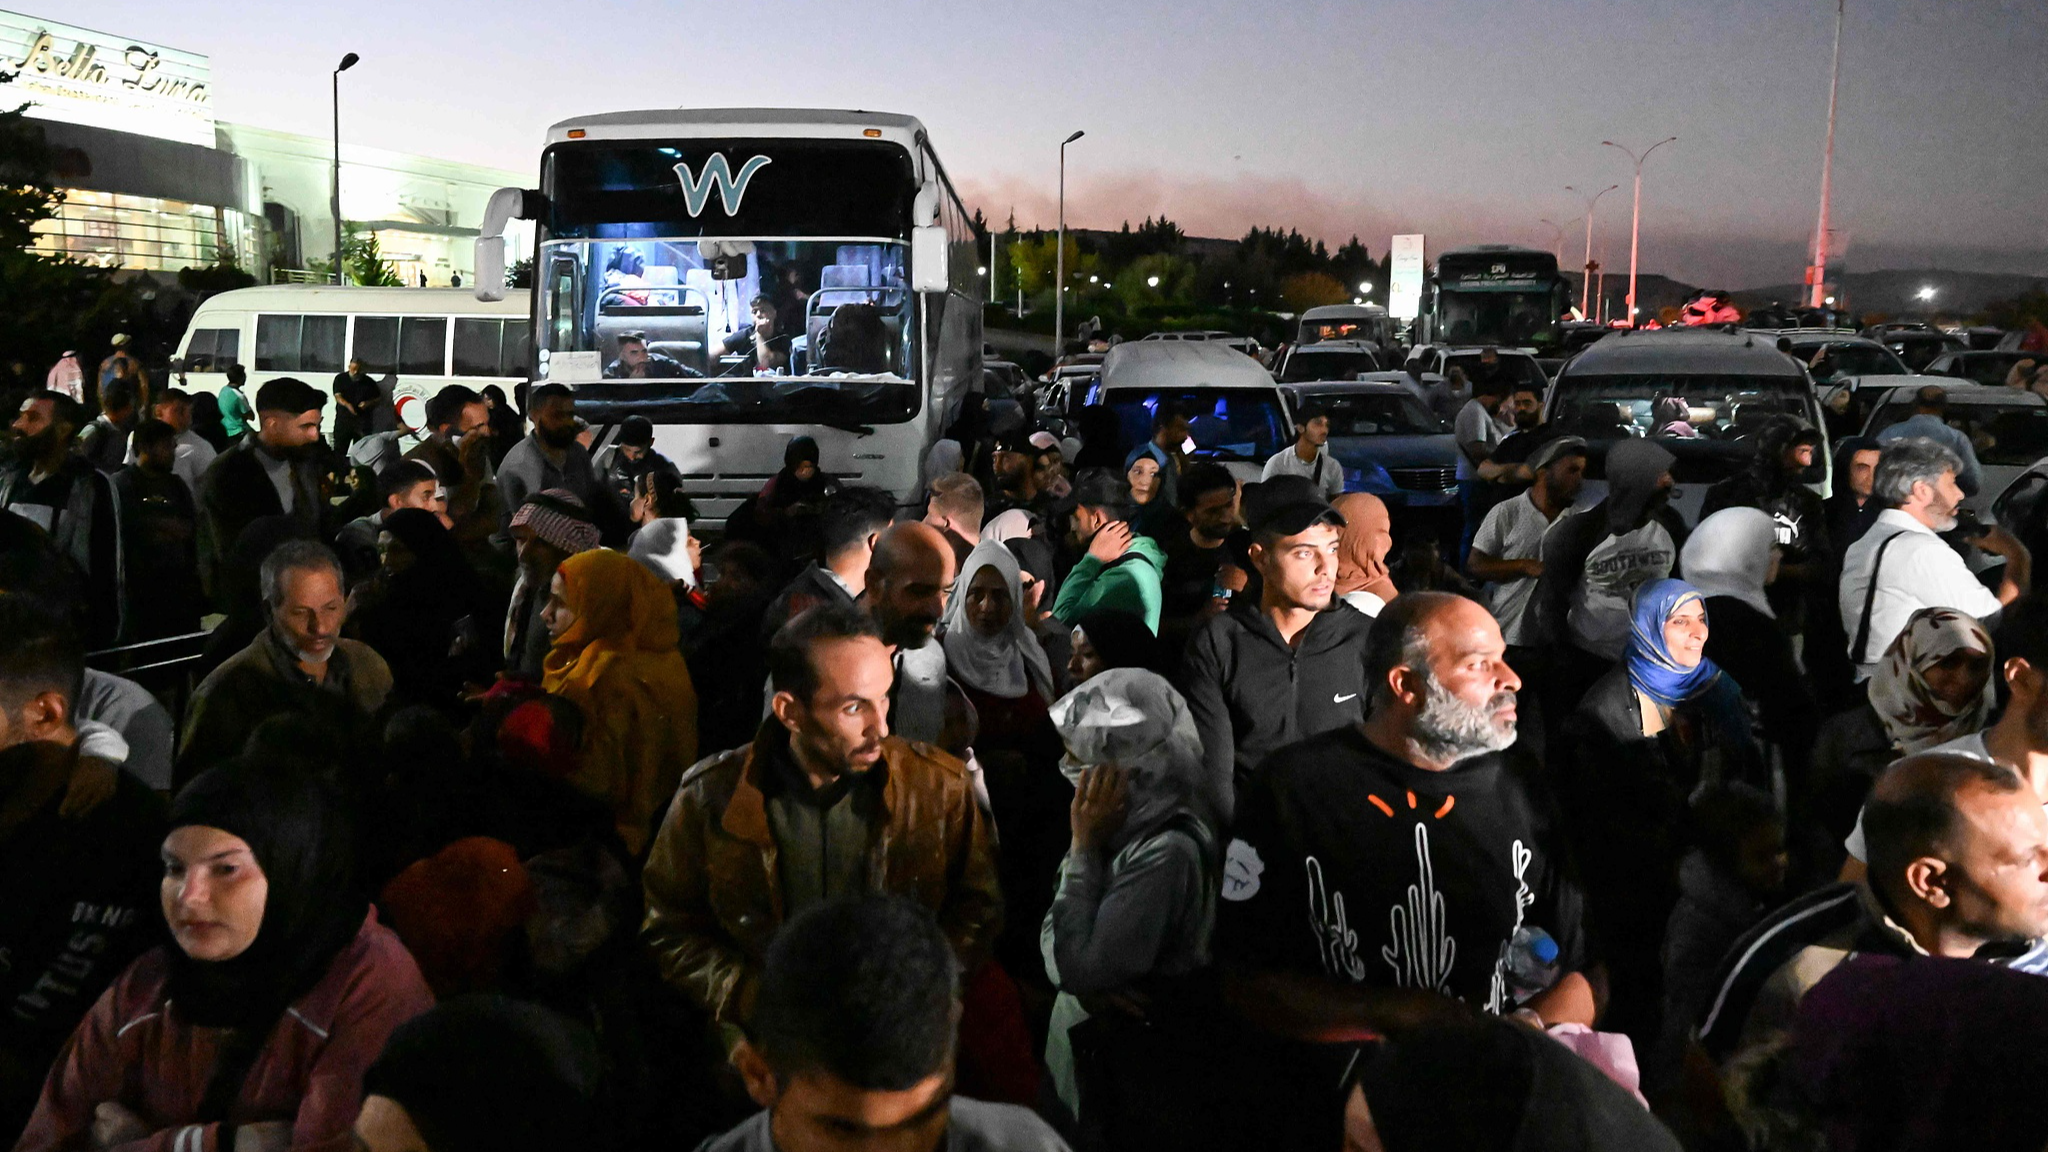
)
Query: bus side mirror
[
  {"x": 506, "y": 205},
  {"x": 928, "y": 259}
]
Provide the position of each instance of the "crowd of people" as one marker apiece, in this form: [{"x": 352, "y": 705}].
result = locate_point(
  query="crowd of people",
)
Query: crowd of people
[{"x": 1093, "y": 799}]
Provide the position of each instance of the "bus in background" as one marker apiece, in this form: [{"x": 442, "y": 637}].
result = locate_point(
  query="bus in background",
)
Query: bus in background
[
  {"x": 664, "y": 238},
  {"x": 1496, "y": 294},
  {"x": 415, "y": 341}
]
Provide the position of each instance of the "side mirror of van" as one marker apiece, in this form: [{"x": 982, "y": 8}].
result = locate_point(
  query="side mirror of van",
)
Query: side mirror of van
[
  {"x": 506, "y": 205},
  {"x": 928, "y": 259}
]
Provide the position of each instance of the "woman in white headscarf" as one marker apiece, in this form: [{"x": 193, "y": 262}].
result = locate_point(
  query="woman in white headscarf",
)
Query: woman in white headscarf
[
  {"x": 1730, "y": 558},
  {"x": 1137, "y": 891},
  {"x": 992, "y": 653}
]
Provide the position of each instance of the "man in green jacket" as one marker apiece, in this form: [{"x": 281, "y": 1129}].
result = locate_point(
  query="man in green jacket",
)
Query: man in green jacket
[{"x": 1122, "y": 570}]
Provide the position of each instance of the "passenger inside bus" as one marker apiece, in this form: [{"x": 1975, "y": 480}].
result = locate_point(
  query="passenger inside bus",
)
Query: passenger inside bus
[
  {"x": 764, "y": 339},
  {"x": 635, "y": 362}
]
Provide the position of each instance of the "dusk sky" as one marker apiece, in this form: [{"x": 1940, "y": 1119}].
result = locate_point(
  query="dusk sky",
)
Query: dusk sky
[{"x": 1457, "y": 118}]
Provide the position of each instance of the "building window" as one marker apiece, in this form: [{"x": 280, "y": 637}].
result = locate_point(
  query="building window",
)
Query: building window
[{"x": 145, "y": 233}]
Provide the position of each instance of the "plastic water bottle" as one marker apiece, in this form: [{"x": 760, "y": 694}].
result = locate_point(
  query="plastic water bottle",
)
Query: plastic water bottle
[{"x": 1532, "y": 962}]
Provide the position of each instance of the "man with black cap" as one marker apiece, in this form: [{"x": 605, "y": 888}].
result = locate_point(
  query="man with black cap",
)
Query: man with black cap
[
  {"x": 1266, "y": 674},
  {"x": 1593, "y": 562},
  {"x": 631, "y": 455},
  {"x": 272, "y": 473},
  {"x": 1013, "y": 464},
  {"x": 1309, "y": 455}
]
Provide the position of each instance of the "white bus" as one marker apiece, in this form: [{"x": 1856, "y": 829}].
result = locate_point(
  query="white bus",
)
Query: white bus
[
  {"x": 421, "y": 339},
  {"x": 666, "y": 225}
]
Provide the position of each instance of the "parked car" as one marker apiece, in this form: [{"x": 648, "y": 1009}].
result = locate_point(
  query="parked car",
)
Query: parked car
[
  {"x": 1330, "y": 360},
  {"x": 2023, "y": 507},
  {"x": 1982, "y": 367},
  {"x": 1236, "y": 414},
  {"x": 1918, "y": 346},
  {"x": 1841, "y": 358},
  {"x": 1729, "y": 383},
  {"x": 2007, "y": 426},
  {"x": 1389, "y": 443}
]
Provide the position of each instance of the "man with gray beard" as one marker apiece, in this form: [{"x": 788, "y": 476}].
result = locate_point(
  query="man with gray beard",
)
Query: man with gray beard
[{"x": 1417, "y": 844}]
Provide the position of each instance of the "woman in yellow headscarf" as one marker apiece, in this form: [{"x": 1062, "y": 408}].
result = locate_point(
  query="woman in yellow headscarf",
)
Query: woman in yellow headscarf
[{"x": 615, "y": 657}]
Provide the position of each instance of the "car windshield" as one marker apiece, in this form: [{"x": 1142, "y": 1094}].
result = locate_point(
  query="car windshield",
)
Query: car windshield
[
  {"x": 1674, "y": 407},
  {"x": 2005, "y": 434},
  {"x": 1516, "y": 369},
  {"x": 1375, "y": 414},
  {"x": 1332, "y": 364},
  {"x": 1837, "y": 360},
  {"x": 1225, "y": 423}
]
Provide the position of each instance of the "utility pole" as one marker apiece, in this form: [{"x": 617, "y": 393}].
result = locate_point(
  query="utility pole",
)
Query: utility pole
[
  {"x": 1635, "y": 226},
  {"x": 1819, "y": 271}
]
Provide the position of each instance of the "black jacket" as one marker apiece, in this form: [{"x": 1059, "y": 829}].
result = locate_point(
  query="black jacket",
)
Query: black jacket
[
  {"x": 81, "y": 903},
  {"x": 811, "y": 588},
  {"x": 1251, "y": 693},
  {"x": 236, "y": 491}
]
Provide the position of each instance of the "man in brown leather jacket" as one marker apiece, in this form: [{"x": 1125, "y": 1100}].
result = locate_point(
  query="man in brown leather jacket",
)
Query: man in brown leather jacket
[{"x": 824, "y": 803}]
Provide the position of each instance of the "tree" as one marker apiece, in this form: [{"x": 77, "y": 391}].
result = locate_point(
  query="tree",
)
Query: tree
[
  {"x": 1305, "y": 290},
  {"x": 520, "y": 273}
]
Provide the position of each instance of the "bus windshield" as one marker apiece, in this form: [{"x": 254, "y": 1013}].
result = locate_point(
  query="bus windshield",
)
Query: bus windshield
[
  {"x": 771, "y": 302},
  {"x": 1493, "y": 317}
]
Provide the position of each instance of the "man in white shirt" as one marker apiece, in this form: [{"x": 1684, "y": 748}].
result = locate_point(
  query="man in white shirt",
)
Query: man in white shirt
[
  {"x": 1478, "y": 433},
  {"x": 1927, "y": 422},
  {"x": 1913, "y": 567},
  {"x": 1508, "y": 551},
  {"x": 1309, "y": 455}
]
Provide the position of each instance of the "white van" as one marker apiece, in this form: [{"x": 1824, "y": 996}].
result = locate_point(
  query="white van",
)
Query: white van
[
  {"x": 420, "y": 339},
  {"x": 1237, "y": 415},
  {"x": 1366, "y": 322}
]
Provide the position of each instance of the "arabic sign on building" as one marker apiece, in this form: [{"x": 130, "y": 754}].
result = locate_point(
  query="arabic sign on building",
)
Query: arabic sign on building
[
  {"x": 1404, "y": 288},
  {"x": 79, "y": 76}
]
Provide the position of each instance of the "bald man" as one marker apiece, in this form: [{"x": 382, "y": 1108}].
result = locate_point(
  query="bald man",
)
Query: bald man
[
  {"x": 1958, "y": 852},
  {"x": 909, "y": 578},
  {"x": 1411, "y": 847}
]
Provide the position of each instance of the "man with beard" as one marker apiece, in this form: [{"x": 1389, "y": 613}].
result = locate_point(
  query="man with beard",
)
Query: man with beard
[
  {"x": 1382, "y": 866},
  {"x": 458, "y": 448},
  {"x": 1776, "y": 482},
  {"x": 62, "y": 494},
  {"x": 827, "y": 802},
  {"x": 551, "y": 458},
  {"x": 272, "y": 473},
  {"x": 909, "y": 579},
  {"x": 298, "y": 665}
]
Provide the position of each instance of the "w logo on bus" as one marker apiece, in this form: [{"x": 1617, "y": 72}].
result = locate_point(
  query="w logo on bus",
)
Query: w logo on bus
[{"x": 717, "y": 172}]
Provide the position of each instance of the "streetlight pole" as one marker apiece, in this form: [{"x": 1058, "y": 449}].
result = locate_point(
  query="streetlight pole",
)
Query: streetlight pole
[
  {"x": 1059, "y": 287},
  {"x": 1827, "y": 172},
  {"x": 1586, "y": 280},
  {"x": 1635, "y": 226},
  {"x": 1557, "y": 240},
  {"x": 340, "y": 270}
]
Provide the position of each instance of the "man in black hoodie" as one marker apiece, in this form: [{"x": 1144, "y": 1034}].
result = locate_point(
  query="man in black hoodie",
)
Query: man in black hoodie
[
  {"x": 81, "y": 887},
  {"x": 1787, "y": 451},
  {"x": 1291, "y": 666}
]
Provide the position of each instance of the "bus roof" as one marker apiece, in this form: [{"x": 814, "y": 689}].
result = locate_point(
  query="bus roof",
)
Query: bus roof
[
  {"x": 815, "y": 122},
  {"x": 1490, "y": 250},
  {"x": 1150, "y": 364},
  {"x": 1689, "y": 351},
  {"x": 336, "y": 298}
]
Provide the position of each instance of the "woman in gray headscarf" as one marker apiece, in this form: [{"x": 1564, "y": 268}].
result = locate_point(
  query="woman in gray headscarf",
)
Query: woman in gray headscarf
[{"x": 1137, "y": 894}]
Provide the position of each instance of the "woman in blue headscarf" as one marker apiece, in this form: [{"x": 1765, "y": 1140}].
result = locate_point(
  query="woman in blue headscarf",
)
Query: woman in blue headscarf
[{"x": 1661, "y": 724}]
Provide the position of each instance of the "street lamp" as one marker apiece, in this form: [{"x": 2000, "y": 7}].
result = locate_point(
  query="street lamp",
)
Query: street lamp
[
  {"x": 1586, "y": 286},
  {"x": 1151, "y": 281},
  {"x": 1557, "y": 240},
  {"x": 347, "y": 62},
  {"x": 1925, "y": 293},
  {"x": 1059, "y": 298},
  {"x": 1636, "y": 221},
  {"x": 1365, "y": 287}
]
